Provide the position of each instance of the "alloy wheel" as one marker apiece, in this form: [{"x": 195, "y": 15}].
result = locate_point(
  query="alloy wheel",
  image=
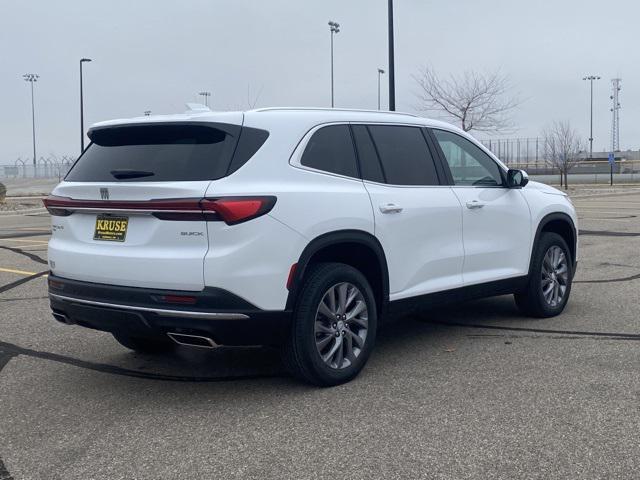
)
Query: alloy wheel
[
  {"x": 555, "y": 276},
  {"x": 341, "y": 325}
]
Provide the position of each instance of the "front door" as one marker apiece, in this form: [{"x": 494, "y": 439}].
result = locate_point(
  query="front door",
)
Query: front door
[
  {"x": 496, "y": 219},
  {"x": 417, "y": 220}
]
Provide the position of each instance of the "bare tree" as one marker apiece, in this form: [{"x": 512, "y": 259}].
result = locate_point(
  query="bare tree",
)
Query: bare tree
[
  {"x": 480, "y": 102},
  {"x": 561, "y": 148},
  {"x": 252, "y": 102}
]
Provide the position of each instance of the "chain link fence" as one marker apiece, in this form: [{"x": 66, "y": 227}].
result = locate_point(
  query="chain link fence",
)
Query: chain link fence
[
  {"x": 51, "y": 167},
  {"x": 521, "y": 151},
  {"x": 22, "y": 178},
  {"x": 527, "y": 154}
]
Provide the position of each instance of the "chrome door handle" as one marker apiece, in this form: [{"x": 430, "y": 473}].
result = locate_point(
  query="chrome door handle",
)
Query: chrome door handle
[
  {"x": 390, "y": 208},
  {"x": 475, "y": 204}
]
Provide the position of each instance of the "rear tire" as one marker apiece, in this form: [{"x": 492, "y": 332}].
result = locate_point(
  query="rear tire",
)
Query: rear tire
[
  {"x": 333, "y": 328},
  {"x": 550, "y": 278},
  {"x": 144, "y": 344}
]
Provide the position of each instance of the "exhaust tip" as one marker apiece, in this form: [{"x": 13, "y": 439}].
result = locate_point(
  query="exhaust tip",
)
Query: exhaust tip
[
  {"x": 62, "y": 318},
  {"x": 192, "y": 340}
]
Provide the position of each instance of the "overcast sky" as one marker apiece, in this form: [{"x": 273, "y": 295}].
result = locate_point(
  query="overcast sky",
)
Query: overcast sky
[{"x": 157, "y": 54}]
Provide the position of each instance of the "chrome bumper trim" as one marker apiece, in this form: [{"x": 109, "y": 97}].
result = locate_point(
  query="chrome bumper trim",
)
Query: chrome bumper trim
[{"x": 158, "y": 311}]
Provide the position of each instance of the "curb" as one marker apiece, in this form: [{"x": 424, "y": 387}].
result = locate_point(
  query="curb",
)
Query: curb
[
  {"x": 605, "y": 194},
  {"x": 26, "y": 211}
]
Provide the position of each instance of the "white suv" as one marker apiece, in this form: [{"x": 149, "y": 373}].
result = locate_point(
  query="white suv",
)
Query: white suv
[{"x": 295, "y": 227}]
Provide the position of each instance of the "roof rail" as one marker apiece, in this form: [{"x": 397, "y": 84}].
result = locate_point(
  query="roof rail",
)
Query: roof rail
[{"x": 321, "y": 109}]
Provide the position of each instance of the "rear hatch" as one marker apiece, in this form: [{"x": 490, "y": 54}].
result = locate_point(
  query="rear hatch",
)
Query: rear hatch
[{"x": 129, "y": 211}]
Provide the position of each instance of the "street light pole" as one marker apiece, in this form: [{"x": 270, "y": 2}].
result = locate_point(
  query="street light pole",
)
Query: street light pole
[
  {"x": 82, "y": 60},
  {"x": 380, "y": 72},
  {"x": 392, "y": 65},
  {"x": 32, "y": 78},
  {"x": 591, "y": 78},
  {"x": 333, "y": 28},
  {"x": 206, "y": 96}
]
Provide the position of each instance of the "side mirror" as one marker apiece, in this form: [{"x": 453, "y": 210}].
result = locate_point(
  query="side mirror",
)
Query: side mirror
[{"x": 517, "y": 178}]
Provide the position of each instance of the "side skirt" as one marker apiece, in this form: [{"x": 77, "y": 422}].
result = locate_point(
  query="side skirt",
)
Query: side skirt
[{"x": 456, "y": 295}]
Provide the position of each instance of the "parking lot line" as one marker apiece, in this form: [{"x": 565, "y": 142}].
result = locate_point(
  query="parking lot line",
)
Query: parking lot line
[
  {"x": 39, "y": 244},
  {"x": 608, "y": 212},
  {"x": 19, "y": 272},
  {"x": 22, "y": 240},
  {"x": 621, "y": 207}
]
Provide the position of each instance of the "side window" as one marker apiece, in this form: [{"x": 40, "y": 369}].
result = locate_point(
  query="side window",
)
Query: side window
[
  {"x": 250, "y": 141},
  {"x": 404, "y": 155},
  {"x": 468, "y": 163},
  {"x": 369, "y": 162},
  {"x": 330, "y": 149}
]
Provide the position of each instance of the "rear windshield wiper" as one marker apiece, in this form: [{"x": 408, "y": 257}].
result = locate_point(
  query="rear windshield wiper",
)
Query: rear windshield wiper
[{"x": 125, "y": 173}]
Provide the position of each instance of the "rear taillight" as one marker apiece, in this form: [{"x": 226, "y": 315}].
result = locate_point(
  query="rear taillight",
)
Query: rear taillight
[
  {"x": 234, "y": 210},
  {"x": 53, "y": 206},
  {"x": 231, "y": 210}
]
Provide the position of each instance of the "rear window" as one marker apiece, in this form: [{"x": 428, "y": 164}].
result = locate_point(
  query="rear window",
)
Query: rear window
[
  {"x": 330, "y": 149},
  {"x": 157, "y": 153}
]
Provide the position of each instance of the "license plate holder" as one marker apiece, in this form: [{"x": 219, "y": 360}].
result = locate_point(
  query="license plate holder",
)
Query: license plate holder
[{"x": 111, "y": 228}]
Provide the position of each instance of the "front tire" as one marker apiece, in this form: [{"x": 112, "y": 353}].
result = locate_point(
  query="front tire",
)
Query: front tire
[
  {"x": 144, "y": 345},
  {"x": 334, "y": 326},
  {"x": 550, "y": 278}
]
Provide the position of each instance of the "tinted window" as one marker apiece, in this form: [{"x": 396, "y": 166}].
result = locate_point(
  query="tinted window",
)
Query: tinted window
[
  {"x": 331, "y": 149},
  {"x": 369, "y": 162},
  {"x": 468, "y": 163},
  {"x": 405, "y": 157},
  {"x": 156, "y": 153}
]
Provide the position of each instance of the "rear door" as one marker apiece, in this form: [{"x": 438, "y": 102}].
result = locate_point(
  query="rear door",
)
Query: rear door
[
  {"x": 496, "y": 219},
  {"x": 417, "y": 220},
  {"x": 132, "y": 214}
]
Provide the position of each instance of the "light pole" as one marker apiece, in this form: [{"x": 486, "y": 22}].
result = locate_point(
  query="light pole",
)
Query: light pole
[
  {"x": 333, "y": 28},
  {"x": 32, "y": 78},
  {"x": 206, "y": 96},
  {"x": 591, "y": 78},
  {"x": 82, "y": 60},
  {"x": 392, "y": 64},
  {"x": 380, "y": 72}
]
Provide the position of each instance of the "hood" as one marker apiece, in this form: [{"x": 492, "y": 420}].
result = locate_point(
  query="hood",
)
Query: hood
[{"x": 541, "y": 187}]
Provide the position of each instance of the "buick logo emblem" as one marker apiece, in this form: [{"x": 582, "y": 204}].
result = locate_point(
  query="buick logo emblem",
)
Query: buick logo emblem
[{"x": 104, "y": 193}]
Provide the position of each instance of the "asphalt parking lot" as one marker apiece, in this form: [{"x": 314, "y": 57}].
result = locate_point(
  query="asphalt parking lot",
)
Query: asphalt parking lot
[{"x": 472, "y": 391}]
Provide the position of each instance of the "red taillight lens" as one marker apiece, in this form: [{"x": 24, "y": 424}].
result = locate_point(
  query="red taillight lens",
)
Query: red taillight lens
[
  {"x": 57, "y": 204},
  {"x": 53, "y": 205},
  {"x": 231, "y": 210},
  {"x": 238, "y": 209},
  {"x": 178, "y": 299}
]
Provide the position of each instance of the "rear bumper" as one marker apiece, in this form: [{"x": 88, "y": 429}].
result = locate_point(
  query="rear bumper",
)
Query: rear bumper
[{"x": 212, "y": 312}]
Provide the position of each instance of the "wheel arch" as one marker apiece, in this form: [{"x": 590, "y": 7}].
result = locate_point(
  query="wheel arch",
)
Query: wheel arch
[
  {"x": 357, "y": 248},
  {"x": 563, "y": 225}
]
